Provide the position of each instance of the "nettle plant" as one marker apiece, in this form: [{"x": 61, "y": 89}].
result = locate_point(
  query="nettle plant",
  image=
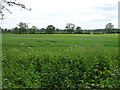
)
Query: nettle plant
[{"x": 5, "y": 4}]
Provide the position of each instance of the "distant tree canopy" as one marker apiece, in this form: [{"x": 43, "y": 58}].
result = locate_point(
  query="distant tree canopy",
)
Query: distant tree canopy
[
  {"x": 16, "y": 30},
  {"x": 42, "y": 29},
  {"x": 23, "y": 27},
  {"x": 4, "y": 4},
  {"x": 109, "y": 27},
  {"x": 50, "y": 29},
  {"x": 33, "y": 29},
  {"x": 70, "y": 27},
  {"x": 78, "y": 30}
]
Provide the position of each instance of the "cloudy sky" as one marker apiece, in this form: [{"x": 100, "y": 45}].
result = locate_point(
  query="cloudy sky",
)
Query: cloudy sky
[{"x": 88, "y": 14}]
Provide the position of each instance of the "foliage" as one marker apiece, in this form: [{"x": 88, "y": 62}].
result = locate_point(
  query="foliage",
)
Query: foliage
[
  {"x": 61, "y": 31},
  {"x": 109, "y": 27},
  {"x": 60, "y": 61},
  {"x": 70, "y": 27},
  {"x": 50, "y": 29},
  {"x": 16, "y": 30},
  {"x": 78, "y": 30},
  {"x": 42, "y": 29},
  {"x": 33, "y": 29},
  {"x": 23, "y": 27},
  {"x": 69, "y": 30}
]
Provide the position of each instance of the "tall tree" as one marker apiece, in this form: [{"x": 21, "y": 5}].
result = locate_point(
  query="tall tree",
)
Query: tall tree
[
  {"x": 42, "y": 29},
  {"x": 16, "y": 30},
  {"x": 50, "y": 29},
  {"x": 70, "y": 27},
  {"x": 23, "y": 27},
  {"x": 78, "y": 30},
  {"x": 33, "y": 29},
  {"x": 109, "y": 27}
]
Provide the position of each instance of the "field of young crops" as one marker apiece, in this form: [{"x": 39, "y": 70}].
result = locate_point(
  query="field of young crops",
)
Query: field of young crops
[{"x": 60, "y": 61}]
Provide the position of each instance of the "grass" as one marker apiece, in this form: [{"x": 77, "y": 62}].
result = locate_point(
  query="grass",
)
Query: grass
[{"x": 60, "y": 61}]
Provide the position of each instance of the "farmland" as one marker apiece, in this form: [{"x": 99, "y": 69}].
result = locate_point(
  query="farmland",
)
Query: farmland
[{"x": 60, "y": 61}]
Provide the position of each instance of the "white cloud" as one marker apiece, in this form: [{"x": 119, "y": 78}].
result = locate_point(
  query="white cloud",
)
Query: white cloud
[{"x": 88, "y": 14}]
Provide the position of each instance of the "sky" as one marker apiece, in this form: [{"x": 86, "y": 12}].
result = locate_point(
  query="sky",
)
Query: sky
[{"x": 88, "y": 14}]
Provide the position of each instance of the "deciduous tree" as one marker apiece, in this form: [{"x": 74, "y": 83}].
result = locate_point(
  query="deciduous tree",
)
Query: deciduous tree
[
  {"x": 109, "y": 27},
  {"x": 78, "y": 30},
  {"x": 50, "y": 29},
  {"x": 33, "y": 29},
  {"x": 23, "y": 27},
  {"x": 70, "y": 27}
]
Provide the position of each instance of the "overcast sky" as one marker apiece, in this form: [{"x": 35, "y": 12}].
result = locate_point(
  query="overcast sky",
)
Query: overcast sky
[{"x": 88, "y": 14}]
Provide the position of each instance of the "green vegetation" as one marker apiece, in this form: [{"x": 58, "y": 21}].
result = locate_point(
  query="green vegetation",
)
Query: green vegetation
[
  {"x": 60, "y": 61},
  {"x": 0, "y": 59},
  {"x": 50, "y": 29},
  {"x": 70, "y": 28}
]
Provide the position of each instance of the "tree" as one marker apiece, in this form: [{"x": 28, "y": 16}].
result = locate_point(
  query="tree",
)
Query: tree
[
  {"x": 4, "y": 4},
  {"x": 57, "y": 29},
  {"x": 109, "y": 27},
  {"x": 16, "y": 30},
  {"x": 23, "y": 27},
  {"x": 50, "y": 29},
  {"x": 33, "y": 29},
  {"x": 70, "y": 27},
  {"x": 5, "y": 30},
  {"x": 42, "y": 29},
  {"x": 78, "y": 30}
]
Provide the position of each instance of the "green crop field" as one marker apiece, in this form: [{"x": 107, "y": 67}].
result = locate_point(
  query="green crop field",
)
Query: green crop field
[{"x": 60, "y": 61}]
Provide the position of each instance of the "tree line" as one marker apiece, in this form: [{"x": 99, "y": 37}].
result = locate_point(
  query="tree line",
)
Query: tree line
[{"x": 70, "y": 28}]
